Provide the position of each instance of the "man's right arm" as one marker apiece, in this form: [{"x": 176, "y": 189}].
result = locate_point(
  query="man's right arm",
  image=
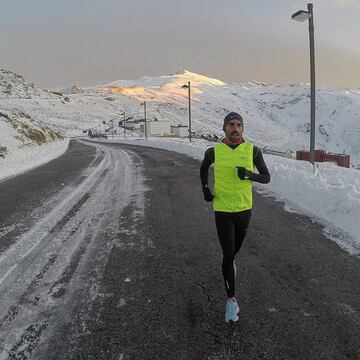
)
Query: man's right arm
[
  {"x": 204, "y": 174},
  {"x": 205, "y": 165}
]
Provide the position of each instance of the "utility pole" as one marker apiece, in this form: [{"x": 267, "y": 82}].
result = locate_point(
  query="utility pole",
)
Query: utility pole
[
  {"x": 312, "y": 85},
  {"x": 124, "y": 122},
  {"x": 188, "y": 86},
  {"x": 301, "y": 16},
  {"x": 145, "y": 129}
]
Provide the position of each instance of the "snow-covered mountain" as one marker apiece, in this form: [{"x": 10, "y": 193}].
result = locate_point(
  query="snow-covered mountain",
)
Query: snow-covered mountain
[
  {"x": 13, "y": 86},
  {"x": 276, "y": 116}
]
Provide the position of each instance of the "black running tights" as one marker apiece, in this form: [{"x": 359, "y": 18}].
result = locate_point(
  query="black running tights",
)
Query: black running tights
[{"x": 231, "y": 229}]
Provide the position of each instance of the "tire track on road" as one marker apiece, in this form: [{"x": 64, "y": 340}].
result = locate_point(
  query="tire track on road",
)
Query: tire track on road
[{"x": 39, "y": 276}]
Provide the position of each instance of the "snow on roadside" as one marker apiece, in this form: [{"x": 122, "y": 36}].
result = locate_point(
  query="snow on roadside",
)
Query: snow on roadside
[
  {"x": 26, "y": 159},
  {"x": 331, "y": 193}
]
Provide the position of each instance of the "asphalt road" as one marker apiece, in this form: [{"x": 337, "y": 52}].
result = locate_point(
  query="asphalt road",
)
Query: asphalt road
[{"x": 127, "y": 265}]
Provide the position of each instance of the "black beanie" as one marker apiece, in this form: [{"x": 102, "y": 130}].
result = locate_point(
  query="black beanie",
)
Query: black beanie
[{"x": 232, "y": 116}]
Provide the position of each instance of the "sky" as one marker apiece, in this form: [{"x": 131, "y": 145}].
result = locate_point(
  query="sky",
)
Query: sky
[{"x": 86, "y": 42}]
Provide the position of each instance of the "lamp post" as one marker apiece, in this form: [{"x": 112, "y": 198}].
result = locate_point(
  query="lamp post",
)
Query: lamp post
[
  {"x": 188, "y": 86},
  {"x": 301, "y": 16},
  {"x": 124, "y": 122},
  {"x": 144, "y": 103}
]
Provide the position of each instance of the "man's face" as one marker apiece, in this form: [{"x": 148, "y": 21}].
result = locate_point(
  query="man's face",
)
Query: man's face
[{"x": 234, "y": 130}]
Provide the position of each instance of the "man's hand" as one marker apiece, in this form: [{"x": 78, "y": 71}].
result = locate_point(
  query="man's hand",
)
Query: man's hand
[
  {"x": 208, "y": 196},
  {"x": 243, "y": 173}
]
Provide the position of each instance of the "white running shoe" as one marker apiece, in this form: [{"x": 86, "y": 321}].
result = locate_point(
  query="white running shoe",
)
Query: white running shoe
[{"x": 231, "y": 310}]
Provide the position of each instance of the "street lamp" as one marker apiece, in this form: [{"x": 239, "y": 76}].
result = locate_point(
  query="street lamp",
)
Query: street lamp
[
  {"x": 144, "y": 103},
  {"x": 124, "y": 122},
  {"x": 301, "y": 16},
  {"x": 188, "y": 86}
]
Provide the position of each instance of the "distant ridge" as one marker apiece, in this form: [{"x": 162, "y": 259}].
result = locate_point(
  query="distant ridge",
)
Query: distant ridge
[{"x": 276, "y": 116}]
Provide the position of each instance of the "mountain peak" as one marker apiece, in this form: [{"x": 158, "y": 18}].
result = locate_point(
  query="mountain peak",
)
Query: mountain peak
[{"x": 186, "y": 75}]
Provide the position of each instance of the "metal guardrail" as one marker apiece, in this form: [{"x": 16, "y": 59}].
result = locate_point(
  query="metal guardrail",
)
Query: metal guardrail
[{"x": 287, "y": 154}]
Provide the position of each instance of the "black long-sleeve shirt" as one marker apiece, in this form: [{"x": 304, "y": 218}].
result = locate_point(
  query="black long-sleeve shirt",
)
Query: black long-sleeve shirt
[{"x": 262, "y": 177}]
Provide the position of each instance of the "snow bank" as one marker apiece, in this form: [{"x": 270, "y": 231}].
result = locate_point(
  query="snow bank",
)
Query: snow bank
[
  {"x": 24, "y": 160},
  {"x": 331, "y": 193}
]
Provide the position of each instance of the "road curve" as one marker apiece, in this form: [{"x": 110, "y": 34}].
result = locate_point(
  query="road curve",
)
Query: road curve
[{"x": 122, "y": 262}]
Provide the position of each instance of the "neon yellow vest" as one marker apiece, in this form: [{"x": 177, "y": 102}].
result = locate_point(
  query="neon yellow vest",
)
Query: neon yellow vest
[{"x": 230, "y": 193}]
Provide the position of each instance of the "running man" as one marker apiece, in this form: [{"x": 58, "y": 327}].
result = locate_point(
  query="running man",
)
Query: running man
[{"x": 234, "y": 160}]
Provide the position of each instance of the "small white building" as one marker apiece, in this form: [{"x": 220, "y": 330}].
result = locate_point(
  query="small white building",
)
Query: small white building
[
  {"x": 157, "y": 128},
  {"x": 137, "y": 127},
  {"x": 180, "y": 130}
]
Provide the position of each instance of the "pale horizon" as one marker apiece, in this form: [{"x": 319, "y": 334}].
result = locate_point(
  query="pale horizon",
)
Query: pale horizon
[{"x": 56, "y": 45}]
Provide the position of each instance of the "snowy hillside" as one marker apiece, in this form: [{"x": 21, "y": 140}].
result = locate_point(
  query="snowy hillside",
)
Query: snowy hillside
[
  {"x": 337, "y": 114},
  {"x": 276, "y": 117},
  {"x": 19, "y": 129},
  {"x": 13, "y": 86}
]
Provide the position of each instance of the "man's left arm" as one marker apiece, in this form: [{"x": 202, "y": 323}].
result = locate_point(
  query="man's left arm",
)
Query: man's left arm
[{"x": 263, "y": 176}]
